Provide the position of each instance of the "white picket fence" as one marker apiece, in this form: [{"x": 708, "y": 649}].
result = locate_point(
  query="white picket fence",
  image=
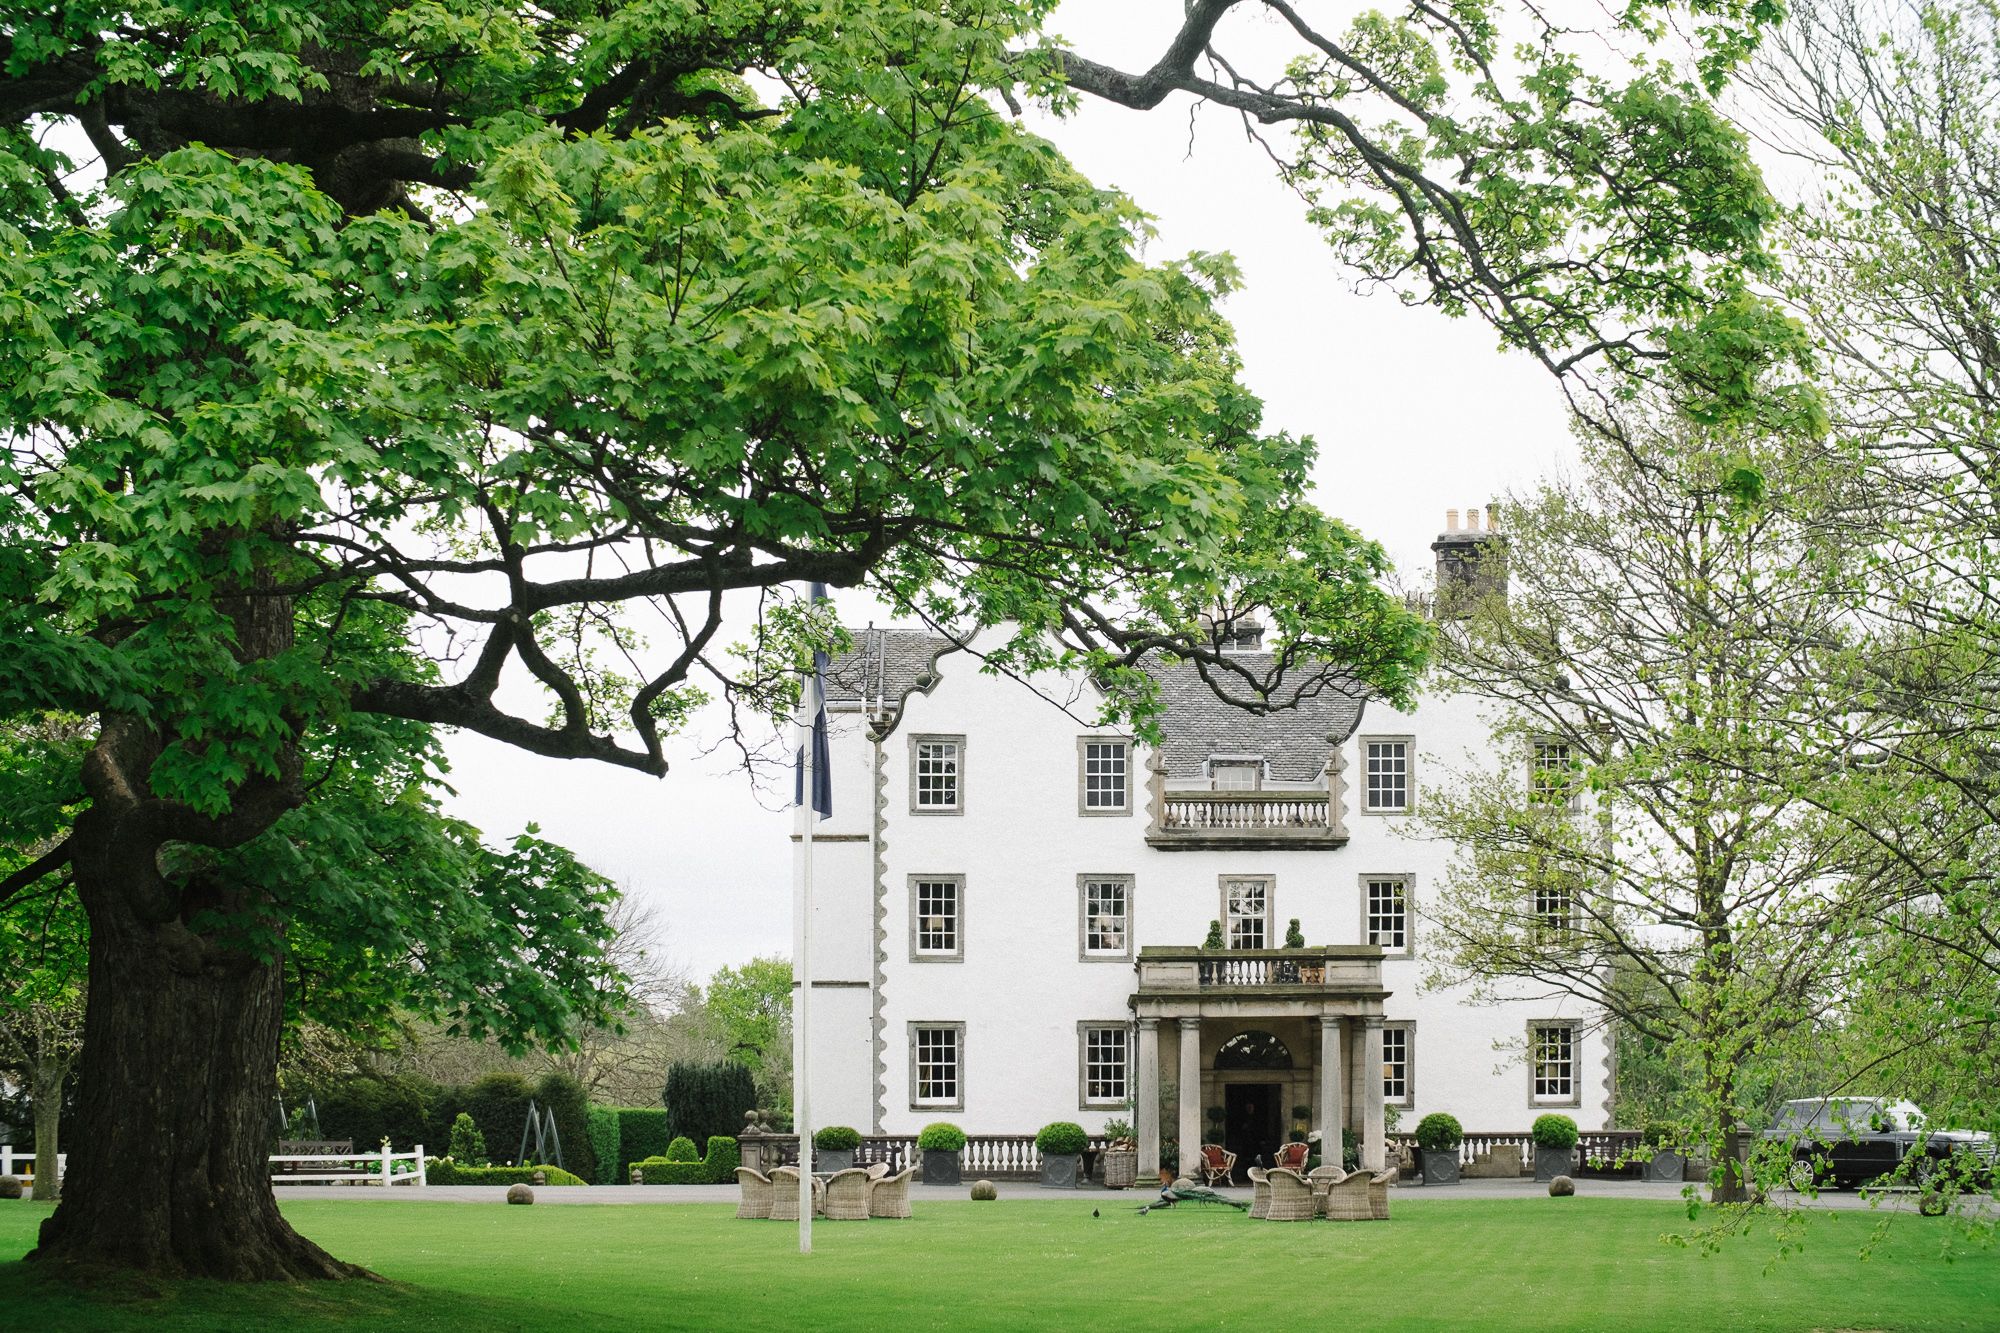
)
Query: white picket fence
[
  {"x": 22, "y": 1164},
  {"x": 368, "y": 1168}
]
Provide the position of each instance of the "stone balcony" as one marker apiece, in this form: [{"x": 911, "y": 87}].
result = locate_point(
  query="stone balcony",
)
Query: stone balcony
[
  {"x": 1177, "y": 971},
  {"x": 1221, "y": 820}
]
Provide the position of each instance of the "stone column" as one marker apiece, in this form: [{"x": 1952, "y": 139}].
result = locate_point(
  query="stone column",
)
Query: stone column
[
  {"x": 1373, "y": 1138},
  {"x": 1330, "y": 1117},
  {"x": 1149, "y": 1099},
  {"x": 1190, "y": 1096}
]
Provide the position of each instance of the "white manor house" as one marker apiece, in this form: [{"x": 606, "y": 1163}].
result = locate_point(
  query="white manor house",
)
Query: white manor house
[{"x": 1010, "y": 909}]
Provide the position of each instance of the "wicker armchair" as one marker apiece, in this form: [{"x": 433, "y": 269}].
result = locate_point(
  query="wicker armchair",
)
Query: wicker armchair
[
  {"x": 1216, "y": 1164},
  {"x": 1378, "y": 1194},
  {"x": 1260, "y": 1193},
  {"x": 1321, "y": 1178},
  {"x": 890, "y": 1196},
  {"x": 756, "y": 1186},
  {"x": 785, "y": 1194},
  {"x": 877, "y": 1170},
  {"x": 1347, "y": 1198},
  {"x": 1293, "y": 1156},
  {"x": 846, "y": 1195},
  {"x": 1291, "y": 1196}
]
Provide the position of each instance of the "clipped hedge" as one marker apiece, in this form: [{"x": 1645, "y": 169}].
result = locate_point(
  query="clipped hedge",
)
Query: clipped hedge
[
  {"x": 642, "y": 1133},
  {"x": 602, "y": 1123},
  {"x": 682, "y": 1150},
  {"x": 1439, "y": 1132},
  {"x": 719, "y": 1167},
  {"x": 444, "y": 1171},
  {"x": 837, "y": 1138},
  {"x": 1553, "y": 1131},
  {"x": 1061, "y": 1138},
  {"x": 941, "y": 1137}
]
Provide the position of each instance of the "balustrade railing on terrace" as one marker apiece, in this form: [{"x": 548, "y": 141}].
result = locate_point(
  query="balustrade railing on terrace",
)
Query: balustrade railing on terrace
[
  {"x": 1244, "y": 810},
  {"x": 986, "y": 1156},
  {"x": 1176, "y": 968},
  {"x": 1616, "y": 1148}
]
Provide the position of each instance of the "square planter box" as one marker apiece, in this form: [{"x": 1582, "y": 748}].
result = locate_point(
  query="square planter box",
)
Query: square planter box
[
  {"x": 1440, "y": 1168},
  {"x": 941, "y": 1166},
  {"x": 1060, "y": 1171},
  {"x": 831, "y": 1160},
  {"x": 1665, "y": 1166},
  {"x": 1553, "y": 1162}
]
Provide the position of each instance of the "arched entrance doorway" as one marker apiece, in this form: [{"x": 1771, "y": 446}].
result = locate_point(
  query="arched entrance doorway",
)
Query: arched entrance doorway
[{"x": 1252, "y": 1109}]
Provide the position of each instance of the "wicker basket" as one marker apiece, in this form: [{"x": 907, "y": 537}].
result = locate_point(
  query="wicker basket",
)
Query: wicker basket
[{"x": 1121, "y": 1168}]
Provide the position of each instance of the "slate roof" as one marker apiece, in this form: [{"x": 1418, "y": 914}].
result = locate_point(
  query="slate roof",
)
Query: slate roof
[{"x": 886, "y": 664}]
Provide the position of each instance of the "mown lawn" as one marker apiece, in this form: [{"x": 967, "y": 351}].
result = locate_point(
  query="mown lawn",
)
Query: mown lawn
[{"x": 1034, "y": 1262}]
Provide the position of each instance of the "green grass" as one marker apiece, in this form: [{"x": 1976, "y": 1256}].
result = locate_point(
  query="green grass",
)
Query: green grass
[{"x": 1035, "y": 1262}]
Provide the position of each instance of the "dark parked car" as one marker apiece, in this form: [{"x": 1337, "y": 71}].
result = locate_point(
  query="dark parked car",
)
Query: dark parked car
[{"x": 1845, "y": 1142}]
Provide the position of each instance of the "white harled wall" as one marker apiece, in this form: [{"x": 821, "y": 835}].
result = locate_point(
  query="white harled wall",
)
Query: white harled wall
[{"x": 1022, "y": 988}]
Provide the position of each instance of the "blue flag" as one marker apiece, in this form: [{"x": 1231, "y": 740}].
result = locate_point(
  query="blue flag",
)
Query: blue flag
[{"x": 815, "y": 704}]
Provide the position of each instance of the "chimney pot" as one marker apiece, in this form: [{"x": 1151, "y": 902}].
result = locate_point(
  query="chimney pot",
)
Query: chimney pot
[
  {"x": 1493, "y": 516},
  {"x": 1451, "y": 520},
  {"x": 1472, "y": 519}
]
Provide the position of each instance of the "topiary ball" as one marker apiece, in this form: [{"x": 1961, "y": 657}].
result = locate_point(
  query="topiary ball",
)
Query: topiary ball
[
  {"x": 983, "y": 1190},
  {"x": 520, "y": 1194},
  {"x": 10, "y": 1187},
  {"x": 1562, "y": 1187}
]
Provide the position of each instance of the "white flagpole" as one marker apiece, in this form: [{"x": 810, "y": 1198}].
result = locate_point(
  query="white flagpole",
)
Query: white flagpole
[{"x": 802, "y": 966}]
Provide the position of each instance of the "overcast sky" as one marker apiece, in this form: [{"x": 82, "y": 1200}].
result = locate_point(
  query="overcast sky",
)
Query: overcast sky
[{"x": 1413, "y": 413}]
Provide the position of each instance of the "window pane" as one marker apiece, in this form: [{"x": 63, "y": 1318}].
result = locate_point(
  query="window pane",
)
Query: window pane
[
  {"x": 937, "y": 916},
  {"x": 1388, "y": 914},
  {"x": 1104, "y": 911},
  {"x": 1396, "y": 1064},
  {"x": 937, "y": 775},
  {"x": 1237, "y": 776},
  {"x": 1388, "y": 775},
  {"x": 1104, "y": 1064},
  {"x": 1105, "y": 774},
  {"x": 1552, "y": 778},
  {"x": 937, "y": 1064},
  {"x": 1248, "y": 909},
  {"x": 1554, "y": 1061}
]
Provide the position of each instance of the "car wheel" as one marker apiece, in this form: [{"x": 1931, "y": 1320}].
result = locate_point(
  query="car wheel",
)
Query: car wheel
[{"x": 1803, "y": 1177}]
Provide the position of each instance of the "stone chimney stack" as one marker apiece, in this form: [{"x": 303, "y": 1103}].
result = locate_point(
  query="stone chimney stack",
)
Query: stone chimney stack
[{"x": 1471, "y": 562}]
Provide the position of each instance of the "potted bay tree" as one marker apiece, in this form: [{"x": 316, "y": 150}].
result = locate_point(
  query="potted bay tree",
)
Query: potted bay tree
[
  {"x": 1555, "y": 1146},
  {"x": 943, "y": 1146},
  {"x": 1438, "y": 1137},
  {"x": 1061, "y": 1144}
]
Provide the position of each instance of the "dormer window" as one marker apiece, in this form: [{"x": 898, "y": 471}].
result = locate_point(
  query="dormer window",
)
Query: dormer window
[
  {"x": 1246, "y": 637},
  {"x": 1236, "y": 772}
]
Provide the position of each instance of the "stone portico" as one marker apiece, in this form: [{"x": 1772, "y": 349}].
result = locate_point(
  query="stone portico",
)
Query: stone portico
[{"x": 1233, "y": 1028}]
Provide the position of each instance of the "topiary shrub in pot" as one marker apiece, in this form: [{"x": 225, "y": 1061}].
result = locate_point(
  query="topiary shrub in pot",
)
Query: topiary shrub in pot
[
  {"x": 836, "y": 1145},
  {"x": 1554, "y": 1137},
  {"x": 1061, "y": 1144},
  {"x": 1663, "y": 1157},
  {"x": 1438, "y": 1137},
  {"x": 943, "y": 1147}
]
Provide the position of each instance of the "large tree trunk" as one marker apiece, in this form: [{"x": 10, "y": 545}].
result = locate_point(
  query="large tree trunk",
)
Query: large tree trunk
[
  {"x": 173, "y": 1127},
  {"x": 45, "y": 1087}
]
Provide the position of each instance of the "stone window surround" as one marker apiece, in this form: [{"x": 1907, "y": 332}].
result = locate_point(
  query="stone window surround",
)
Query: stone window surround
[
  {"x": 1409, "y": 1098},
  {"x": 1083, "y": 744},
  {"x": 1575, "y": 1098},
  {"x": 1084, "y": 1102},
  {"x": 931, "y": 737},
  {"x": 1409, "y": 744},
  {"x": 956, "y": 1104},
  {"x": 1409, "y": 883},
  {"x": 956, "y": 955},
  {"x": 1083, "y": 951},
  {"x": 1270, "y": 882}
]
